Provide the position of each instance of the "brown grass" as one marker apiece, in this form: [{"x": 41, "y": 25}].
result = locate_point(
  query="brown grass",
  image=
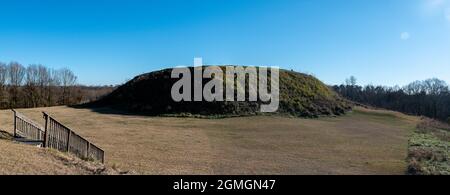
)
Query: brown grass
[
  {"x": 20, "y": 159},
  {"x": 363, "y": 142}
]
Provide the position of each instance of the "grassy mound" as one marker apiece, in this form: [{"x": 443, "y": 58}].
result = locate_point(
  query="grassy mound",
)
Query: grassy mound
[{"x": 300, "y": 95}]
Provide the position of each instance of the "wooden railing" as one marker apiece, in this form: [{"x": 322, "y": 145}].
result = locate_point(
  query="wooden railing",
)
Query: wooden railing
[
  {"x": 27, "y": 128},
  {"x": 57, "y": 136},
  {"x": 64, "y": 139}
]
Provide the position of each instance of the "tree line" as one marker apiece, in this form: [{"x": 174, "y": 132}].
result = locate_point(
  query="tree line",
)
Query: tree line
[
  {"x": 37, "y": 85},
  {"x": 429, "y": 98}
]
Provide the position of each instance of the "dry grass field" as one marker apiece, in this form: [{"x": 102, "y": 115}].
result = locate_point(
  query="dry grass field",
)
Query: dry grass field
[
  {"x": 19, "y": 159},
  {"x": 362, "y": 142}
]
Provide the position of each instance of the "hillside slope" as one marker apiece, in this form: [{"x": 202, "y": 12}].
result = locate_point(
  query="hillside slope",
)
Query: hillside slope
[
  {"x": 21, "y": 159},
  {"x": 300, "y": 95}
]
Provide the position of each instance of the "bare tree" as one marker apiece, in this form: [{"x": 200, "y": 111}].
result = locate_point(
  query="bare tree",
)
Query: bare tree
[
  {"x": 435, "y": 86},
  {"x": 53, "y": 82},
  {"x": 3, "y": 79},
  {"x": 351, "y": 81},
  {"x": 68, "y": 80},
  {"x": 413, "y": 88},
  {"x": 430, "y": 98},
  {"x": 38, "y": 85},
  {"x": 31, "y": 85},
  {"x": 16, "y": 74},
  {"x": 43, "y": 75}
]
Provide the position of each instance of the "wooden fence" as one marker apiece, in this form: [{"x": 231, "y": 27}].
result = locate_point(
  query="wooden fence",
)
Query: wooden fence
[
  {"x": 57, "y": 136},
  {"x": 64, "y": 139},
  {"x": 27, "y": 128}
]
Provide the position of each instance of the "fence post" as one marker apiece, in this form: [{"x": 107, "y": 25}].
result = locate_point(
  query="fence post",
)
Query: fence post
[
  {"x": 15, "y": 124},
  {"x": 46, "y": 130},
  {"x": 88, "y": 148},
  {"x": 68, "y": 140}
]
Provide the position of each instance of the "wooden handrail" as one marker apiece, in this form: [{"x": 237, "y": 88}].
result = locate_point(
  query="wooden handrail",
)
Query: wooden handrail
[{"x": 49, "y": 120}]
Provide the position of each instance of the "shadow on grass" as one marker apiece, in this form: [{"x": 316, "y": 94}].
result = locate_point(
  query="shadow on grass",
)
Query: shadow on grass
[
  {"x": 6, "y": 135},
  {"x": 124, "y": 112},
  {"x": 109, "y": 110}
]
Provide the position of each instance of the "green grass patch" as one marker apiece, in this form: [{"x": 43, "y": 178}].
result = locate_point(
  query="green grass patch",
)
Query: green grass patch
[{"x": 429, "y": 152}]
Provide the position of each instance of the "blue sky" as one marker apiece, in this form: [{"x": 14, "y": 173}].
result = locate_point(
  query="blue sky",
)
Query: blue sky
[{"x": 384, "y": 42}]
